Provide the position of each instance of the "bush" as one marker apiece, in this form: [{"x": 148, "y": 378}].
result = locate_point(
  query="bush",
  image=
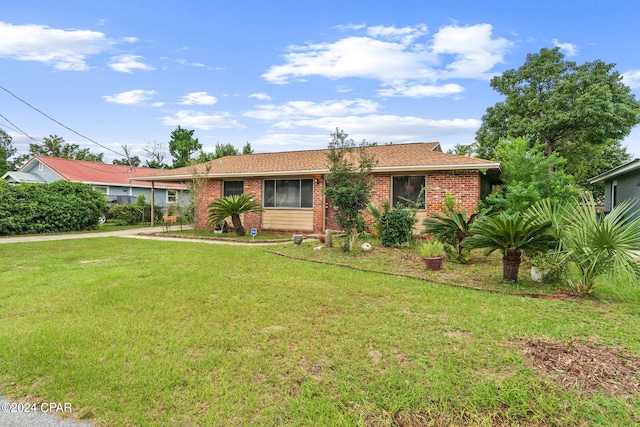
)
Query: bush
[
  {"x": 397, "y": 227},
  {"x": 134, "y": 214},
  {"x": 49, "y": 208}
]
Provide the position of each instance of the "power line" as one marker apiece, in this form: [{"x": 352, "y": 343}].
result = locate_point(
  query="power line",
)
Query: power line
[
  {"x": 56, "y": 121},
  {"x": 16, "y": 128}
]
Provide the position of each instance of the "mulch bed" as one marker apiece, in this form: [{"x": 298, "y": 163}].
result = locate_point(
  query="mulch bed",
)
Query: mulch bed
[{"x": 591, "y": 368}]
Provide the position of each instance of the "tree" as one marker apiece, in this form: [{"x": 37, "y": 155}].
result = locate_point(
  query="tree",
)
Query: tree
[
  {"x": 131, "y": 161},
  {"x": 247, "y": 149},
  {"x": 155, "y": 156},
  {"x": 511, "y": 234},
  {"x": 7, "y": 150},
  {"x": 232, "y": 206},
  {"x": 221, "y": 150},
  {"x": 182, "y": 146},
  {"x": 54, "y": 146},
  {"x": 569, "y": 108},
  {"x": 128, "y": 159},
  {"x": 528, "y": 176},
  {"x": 349, "y": 182}
]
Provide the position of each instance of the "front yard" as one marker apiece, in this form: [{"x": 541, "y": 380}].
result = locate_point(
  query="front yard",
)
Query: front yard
[{"x": 135, "y": 332}]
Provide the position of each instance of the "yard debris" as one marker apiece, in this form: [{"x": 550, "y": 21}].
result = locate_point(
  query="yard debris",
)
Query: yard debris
[{"x": 589, "y": 367}]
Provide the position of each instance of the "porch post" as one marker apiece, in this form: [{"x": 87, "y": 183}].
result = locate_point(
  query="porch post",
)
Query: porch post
[{"x": 153, "y": 201}]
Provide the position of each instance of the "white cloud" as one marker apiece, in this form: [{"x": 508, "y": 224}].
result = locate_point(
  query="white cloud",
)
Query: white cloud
[
  {"x": 64, "y": 49},
  {"x": 348, "y": 27},
  {"x": 569, "y": 49},
  {"x": 307, "y": 109},
  {"x": 386, "y": 128},
  {"x": 128, "y": 63},
  {"x": 198, "y": 98},
  {"x": 396, "y": 58},
  {"x": 130, "y": 39},
  {"x": 475, "y": 50},
  {"x": 200, "y": 120},
  {"x": 632, "y": 79},
  {"x": 419, "y": 91},
  {"x": 131, "y": 97},
  {"x": 405, "y": 35},
  {"x": 260, "y": 96}
]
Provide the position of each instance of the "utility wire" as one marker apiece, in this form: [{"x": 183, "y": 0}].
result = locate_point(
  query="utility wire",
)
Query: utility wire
[
  {"x": 56, "y": 121},
  {"x": 20, "y": 130}
]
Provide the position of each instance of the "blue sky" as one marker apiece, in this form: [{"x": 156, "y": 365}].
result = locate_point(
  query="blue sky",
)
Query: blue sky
[{"x": 282, "y": 75}]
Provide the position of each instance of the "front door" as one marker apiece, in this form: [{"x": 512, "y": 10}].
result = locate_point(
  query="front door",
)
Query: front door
[{"x": 331, "y": 222}]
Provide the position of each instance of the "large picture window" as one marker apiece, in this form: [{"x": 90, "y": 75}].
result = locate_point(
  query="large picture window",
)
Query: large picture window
[
  {"x": 232, "y": 188},
  {"x": 408, "y": 188},
  {"x": 288, "y": 193}
]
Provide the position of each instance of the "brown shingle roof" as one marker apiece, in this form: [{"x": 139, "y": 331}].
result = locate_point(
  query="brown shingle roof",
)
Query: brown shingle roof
[{"x": 420, "y": 156}]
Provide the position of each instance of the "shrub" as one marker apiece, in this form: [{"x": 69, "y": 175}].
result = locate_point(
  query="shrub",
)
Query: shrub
[
  {"x": 47, "y": 208},
  {"x": 134, "y": 214},
  {"x": 397, "y": 227}
]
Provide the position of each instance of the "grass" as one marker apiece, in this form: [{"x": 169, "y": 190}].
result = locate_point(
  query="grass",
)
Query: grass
[
  {"x": 261, "y": 236},
  {"x": 135, "y": 332}
]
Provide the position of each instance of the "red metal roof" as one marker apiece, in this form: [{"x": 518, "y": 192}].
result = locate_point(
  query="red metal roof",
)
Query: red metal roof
[{"x": 97, "y": 173}]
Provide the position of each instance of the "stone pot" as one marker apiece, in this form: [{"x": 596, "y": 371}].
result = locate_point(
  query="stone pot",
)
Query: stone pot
[{"x": 297, "y": 239}]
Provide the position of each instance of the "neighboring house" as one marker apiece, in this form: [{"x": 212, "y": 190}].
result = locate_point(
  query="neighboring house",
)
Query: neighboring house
[
  {"x": 620, "y": 183},
  {"x": 113, "y": 181},
  {"x": 290, "y": 184}
]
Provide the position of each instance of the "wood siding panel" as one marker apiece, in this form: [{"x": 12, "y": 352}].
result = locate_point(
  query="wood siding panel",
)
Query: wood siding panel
[{"x": 287, "y": 219}]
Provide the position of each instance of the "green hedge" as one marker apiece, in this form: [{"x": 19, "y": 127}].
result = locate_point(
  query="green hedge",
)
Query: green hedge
[
  {"x": 49, "y": 208},
  {"x": 134, "y": 214}
]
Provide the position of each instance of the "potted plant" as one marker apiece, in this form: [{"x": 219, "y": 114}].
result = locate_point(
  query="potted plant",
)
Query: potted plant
[
  {"x": 540, "y": 267},
  {"x": 432, "y": 253}
]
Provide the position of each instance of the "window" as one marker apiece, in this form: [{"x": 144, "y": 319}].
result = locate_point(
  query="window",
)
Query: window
[
  {"x": 172, "y": 196},
  {"x": 102, "y": 189},
  {"x": 408, "y": 188},
  {"x": 232, "y": 188},
  {"x": 288, "y": 193}
]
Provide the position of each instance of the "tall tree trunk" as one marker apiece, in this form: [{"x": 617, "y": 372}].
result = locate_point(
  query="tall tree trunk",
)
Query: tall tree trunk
[
  {"x": 237, "y": 224},
  {"x": 511, "y": 265}
]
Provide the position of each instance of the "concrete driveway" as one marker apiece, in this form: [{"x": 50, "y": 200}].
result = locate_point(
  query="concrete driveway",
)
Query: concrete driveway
[{"x": 119, "y": 233}]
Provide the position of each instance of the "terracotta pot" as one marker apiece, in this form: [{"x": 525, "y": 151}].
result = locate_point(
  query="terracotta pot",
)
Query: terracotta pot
[{"x": 433, "y": 263}]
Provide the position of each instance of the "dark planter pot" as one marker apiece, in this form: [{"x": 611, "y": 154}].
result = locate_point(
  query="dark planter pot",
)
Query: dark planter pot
[{"x": 433, "y": 263}]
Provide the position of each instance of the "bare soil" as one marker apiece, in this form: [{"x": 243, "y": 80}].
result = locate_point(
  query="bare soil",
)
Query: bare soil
[{"x": 591, "y": 368}]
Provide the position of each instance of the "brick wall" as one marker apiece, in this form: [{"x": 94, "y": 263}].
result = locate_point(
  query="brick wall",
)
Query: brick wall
[
  {"x": 211, "y": 189},
  {"x": 464, "y": 185}
]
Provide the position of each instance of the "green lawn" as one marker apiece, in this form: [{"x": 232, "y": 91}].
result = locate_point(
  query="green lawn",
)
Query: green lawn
[{"x": 137, "y": 332}]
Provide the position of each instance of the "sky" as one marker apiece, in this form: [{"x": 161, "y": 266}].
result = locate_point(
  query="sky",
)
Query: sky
[{"x": 283, "y": 75}]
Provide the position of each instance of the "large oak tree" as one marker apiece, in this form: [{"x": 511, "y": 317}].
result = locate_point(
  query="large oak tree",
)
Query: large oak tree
[{"x": 582, "y": 112}]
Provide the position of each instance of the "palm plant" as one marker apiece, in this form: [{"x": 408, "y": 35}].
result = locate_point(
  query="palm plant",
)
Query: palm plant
[
  {"x": 595, "y": 246},
  {"x": 232, "y": 206},
  {"x": 511, "y": 234},
  {"x": 451, "y": 228}
]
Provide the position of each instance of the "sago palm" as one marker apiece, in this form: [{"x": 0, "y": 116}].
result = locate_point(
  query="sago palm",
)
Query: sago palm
[
  {"x": 511, "y": 234},
  {"x": 232, "y": 206},
  {"x": 452, "y": 227}
]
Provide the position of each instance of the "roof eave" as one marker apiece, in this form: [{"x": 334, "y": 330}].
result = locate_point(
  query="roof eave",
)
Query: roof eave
[{"x": 617, "y": 171}]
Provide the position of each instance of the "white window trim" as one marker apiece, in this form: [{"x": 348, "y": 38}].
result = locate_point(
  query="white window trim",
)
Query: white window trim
[
  {"x": 175, "y": 192},
  {"x": 100, "y": 187}
]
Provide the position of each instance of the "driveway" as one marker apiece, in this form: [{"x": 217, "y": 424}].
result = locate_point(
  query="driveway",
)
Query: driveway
[{"x": 47, "y": 237}]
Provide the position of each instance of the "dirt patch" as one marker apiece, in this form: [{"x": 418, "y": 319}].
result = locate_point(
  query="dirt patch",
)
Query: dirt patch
[{"x": 592, "y": 368}]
